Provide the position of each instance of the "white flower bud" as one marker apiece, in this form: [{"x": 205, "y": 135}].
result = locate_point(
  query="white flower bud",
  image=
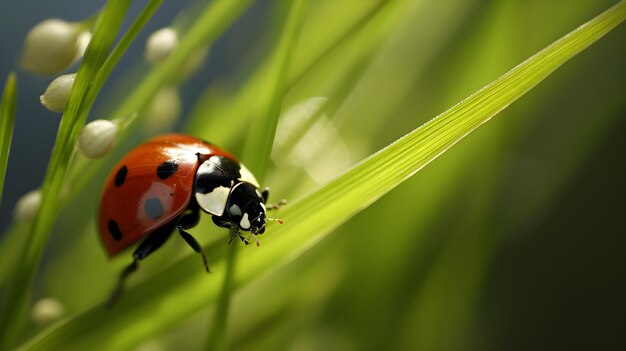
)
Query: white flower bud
[
  {"x": 51, "y": 47},
  {"x": 160, "y": 44},
  {"x": 164, "y": 109},
  {"x": 27, "y": 206},
  {"x": 97, "y": 138},
  {"x": 58, "y": 92},
  {"x": 81, "y": 44},
  {"x": 47, "y": 310}
]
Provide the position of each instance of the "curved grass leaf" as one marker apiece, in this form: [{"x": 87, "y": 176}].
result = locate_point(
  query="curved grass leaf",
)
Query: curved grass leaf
[{"x": 182, "y": 289}]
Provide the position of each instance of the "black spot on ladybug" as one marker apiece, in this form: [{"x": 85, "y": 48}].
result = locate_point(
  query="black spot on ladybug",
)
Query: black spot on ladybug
[
  {"x": 166, "y": 169},
  {"x": 153, "y": 208},
  {"x": 114, "y": 229},
  {"x": 120, "y": 176}
]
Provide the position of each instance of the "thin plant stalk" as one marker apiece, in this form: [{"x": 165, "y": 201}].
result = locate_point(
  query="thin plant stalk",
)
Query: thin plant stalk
[
  {"x": 7, "y": 119},
  {"x": 257, "y": 152}
]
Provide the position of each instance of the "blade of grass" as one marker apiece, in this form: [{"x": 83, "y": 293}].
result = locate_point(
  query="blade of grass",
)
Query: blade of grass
[
  {"x": 217, "y": 333},
  {"x": 119, "y": 50},
  {"x": 7, "y": 118},
  {"x": 311, "y": 218},
  {"x": 261, "y": 133},
  {"x": 257, "y": 151},
  {"x": 17, "y": 295}
]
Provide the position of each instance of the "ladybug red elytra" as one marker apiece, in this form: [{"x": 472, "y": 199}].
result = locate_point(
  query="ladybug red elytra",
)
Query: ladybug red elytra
[{"x": 162, "y": 185}]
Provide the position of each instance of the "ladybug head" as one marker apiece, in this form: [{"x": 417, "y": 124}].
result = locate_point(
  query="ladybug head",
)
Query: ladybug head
[{"x": 246, "y": 208}]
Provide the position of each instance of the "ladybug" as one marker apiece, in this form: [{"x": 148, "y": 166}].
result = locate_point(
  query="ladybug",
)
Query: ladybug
[{"x": 162, "y": 185}]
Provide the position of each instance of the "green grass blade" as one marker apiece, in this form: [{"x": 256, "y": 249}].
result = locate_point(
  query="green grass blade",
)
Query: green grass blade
[
  {"x": 257, "y": 152},
  {"x": 17, "y": 296},
  {"x": 7, "y": 119},
  {"x": 261, "y": 134},
  {"x": 183, "y": 288},
  {"x": 120, "y": 49}
]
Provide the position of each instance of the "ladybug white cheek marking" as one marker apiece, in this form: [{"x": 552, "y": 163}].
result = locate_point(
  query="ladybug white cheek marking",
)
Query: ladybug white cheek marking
[
  {"x": 155, "y": 203},
  {"x": 234, "y": 210},
  {"x": 245, "y": 223},
  {"x": 247, "y": 176},
  {"x": 215, "y": 201}
]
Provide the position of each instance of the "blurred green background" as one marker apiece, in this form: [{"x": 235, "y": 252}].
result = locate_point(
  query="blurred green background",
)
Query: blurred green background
[{"x": 513, "y": 239}]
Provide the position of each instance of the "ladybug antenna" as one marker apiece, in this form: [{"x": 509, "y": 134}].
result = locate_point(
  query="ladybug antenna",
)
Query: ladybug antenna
[
  {"x": 277, "y": 220},
  {"x": 256, "y": 237}
]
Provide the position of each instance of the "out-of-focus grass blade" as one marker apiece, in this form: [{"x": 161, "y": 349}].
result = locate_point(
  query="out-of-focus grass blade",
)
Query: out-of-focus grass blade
[
  {"x": 257, "y": 151},
  {"x": 7, "y": 118},
  {"x": 241, "y": 107},
  {"x": 183, "y": 288},
  {"x": 261, "y": 134}
]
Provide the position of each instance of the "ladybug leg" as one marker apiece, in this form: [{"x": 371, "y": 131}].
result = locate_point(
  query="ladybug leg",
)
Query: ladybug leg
[
  {"x": 120, "y": 283},
  {"x": 272, "y": 207},
  {"x": 222, "y": 223},
  {"x": 234, "y": 230},
  {"x": 243, "y": 240},
  {"x": 188, "y": 221},
  {"x": 236, "y": 234},
  {"x": 265, "y": 194},
  {"x": 191, "y": 241},
  {"x": 151, "y": 243}
]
